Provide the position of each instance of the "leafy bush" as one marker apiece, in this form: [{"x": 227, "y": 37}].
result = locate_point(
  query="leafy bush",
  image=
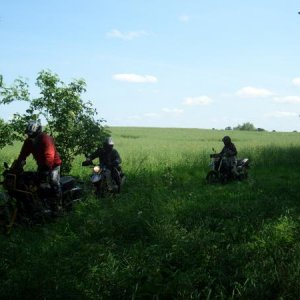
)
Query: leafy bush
[{"x": 5, "y": 134}]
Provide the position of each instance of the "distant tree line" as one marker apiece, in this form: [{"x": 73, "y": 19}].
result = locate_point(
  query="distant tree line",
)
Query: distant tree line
[{"x": 245, "y": 127}]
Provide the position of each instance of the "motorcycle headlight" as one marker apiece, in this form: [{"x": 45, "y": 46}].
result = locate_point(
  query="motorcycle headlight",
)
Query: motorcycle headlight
[{"x": 97, "y": 169}]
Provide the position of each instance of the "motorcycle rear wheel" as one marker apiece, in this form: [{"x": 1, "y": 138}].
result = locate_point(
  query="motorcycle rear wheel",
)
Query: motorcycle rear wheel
[{"x": 212, "y": 177}]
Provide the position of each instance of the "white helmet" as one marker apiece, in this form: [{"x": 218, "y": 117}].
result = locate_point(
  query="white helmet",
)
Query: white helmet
[
  {"x": 33, "y": 128},
  {"x": 108, "y": 141}
]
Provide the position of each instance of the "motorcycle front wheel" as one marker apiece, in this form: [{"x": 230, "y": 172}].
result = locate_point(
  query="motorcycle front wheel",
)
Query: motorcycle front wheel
[
  {"x": 212, "y": 177},
  {"x": 101, "y": 190},
  {"x": 8, "y": 215}
]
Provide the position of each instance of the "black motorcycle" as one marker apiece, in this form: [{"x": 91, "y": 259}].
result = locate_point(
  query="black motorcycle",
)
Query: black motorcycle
[
  {"x": 25, "y": 198},
  {"x": 222, "y": 172},
  {"x": 99, "y": 180}
]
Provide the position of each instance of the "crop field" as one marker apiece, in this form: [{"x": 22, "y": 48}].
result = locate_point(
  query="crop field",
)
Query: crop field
[{"x": 169, "y": 235}]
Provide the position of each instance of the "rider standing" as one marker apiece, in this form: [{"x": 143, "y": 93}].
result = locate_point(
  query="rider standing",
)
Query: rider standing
[
  {"x": 229, "y": 152},
  {"x": 109, "y": 159},
  {"x": 42, "y": 147}
]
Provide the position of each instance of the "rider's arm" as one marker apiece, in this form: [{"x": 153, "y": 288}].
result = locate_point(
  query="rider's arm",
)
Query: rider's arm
[
  {"x": 94, "y": 155},
  {"x": 90, "y": 158},
  {"x": 232, "y": 150},
  {"x": 116, "y": 160},
  {"x": 26, "y": 150}
]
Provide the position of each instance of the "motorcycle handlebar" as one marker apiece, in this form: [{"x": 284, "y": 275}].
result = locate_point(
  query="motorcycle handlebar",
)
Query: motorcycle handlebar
[{"x": 90, "y": 163}]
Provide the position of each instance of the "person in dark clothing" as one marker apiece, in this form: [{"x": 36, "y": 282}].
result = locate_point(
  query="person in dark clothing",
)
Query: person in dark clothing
[
  {"x": 42, "y": 147},
  {"x": 109, "y": 159},
  {"x": 230, "y": 153}
]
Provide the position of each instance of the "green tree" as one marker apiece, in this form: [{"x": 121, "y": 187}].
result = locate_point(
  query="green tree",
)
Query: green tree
[
  {"x": 246, "y": 126},
  {"x": 71, "y": 121},
  {"x": 7, "y": 134}
]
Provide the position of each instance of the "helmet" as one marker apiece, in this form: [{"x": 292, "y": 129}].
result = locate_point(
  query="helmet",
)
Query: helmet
[
  {"x": 226, "y": 139},
  {"x": 108, "y": 141},
  {"x": 33, "y": 128}
]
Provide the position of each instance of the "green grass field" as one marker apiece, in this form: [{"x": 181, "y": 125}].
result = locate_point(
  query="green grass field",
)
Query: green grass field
[{"x": 169, "y": 235}]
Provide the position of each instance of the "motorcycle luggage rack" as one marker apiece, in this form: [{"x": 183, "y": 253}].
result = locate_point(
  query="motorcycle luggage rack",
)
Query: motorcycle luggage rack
[
  {"x": 244, "y": 161},
  {"x": 10, "y": 182},
  {"x": 11, "y": 185},
  {"x": 67, "y": 182}
]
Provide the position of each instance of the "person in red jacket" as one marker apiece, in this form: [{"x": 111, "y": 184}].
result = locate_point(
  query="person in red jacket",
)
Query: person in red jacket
[{"x": 43, "y": 150}]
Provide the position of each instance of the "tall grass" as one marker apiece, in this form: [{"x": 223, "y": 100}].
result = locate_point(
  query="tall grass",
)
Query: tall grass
[{"x": 169, "y": 235}]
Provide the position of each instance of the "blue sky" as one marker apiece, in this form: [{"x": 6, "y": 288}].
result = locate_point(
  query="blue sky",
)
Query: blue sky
[{"x": 179, "y": 63}]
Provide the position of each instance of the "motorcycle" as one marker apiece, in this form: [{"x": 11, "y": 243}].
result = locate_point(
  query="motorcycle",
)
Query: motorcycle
[
  {"x": 221, "y": 172},
  {"x": 25, "y": 198},
  {"x": 99, "y": 180}
]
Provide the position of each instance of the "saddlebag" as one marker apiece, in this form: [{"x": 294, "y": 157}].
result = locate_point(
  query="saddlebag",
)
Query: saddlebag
[
  {"x": 67, "y": 182},
  {"x": 243, "y": 162}
]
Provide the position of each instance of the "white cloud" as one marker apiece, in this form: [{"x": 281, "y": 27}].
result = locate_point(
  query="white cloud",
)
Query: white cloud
[
  {"x": 288, "y": 100},
  {"x": 127, "y": 36},
  {"x": 281, "y": 114},
  {"x": 201, "y": 100},
  {"x": 184, "y": 18},
  {"x": 250, "y": 92},
  {"x": 135, "y": 78},
  {"x": 296, "y": 81},
  {"x": 175, "y": 111}
]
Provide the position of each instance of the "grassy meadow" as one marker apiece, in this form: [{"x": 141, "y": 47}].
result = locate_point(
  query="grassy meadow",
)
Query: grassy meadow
[{"x": 169, "y": 235}]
